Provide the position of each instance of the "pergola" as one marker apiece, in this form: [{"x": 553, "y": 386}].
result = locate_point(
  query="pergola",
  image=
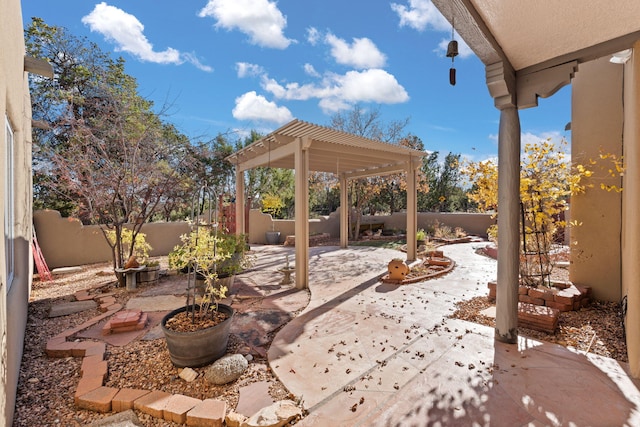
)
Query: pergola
[{"x": 306, "y": 147}]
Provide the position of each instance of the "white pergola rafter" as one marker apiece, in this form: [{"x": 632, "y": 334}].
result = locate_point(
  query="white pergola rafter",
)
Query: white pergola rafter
[{"x": 307, "y": 147}]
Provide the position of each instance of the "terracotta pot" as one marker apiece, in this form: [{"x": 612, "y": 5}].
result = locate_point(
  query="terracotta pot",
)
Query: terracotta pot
[{"x": 398, "y": 270}]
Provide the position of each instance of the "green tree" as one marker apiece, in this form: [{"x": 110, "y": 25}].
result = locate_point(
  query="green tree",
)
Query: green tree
[
  {"x": 445, "y": 192},
  {"x": 364, "y": 192},
  {"x": 101, "y": 145}
]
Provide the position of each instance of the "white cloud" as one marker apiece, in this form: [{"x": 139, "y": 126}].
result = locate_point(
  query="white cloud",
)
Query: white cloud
[
  {"x": 261, "y": 20},
  {"x": 533, "y": 138},
  {"x": 193, "y": 60},
  {"x": 420, "y": 15},
  {"x": 337, "y": 92},
  {"x": 310, "y": 70},
  {"x": 251, "y": 106},
  {"x": 246, "y": 69},
  {"x": 372, "y": 86},
  {"x": 127, "y": 32},
  {"x": 362, "y": 53},
  {"x": 313, "y": 35}
]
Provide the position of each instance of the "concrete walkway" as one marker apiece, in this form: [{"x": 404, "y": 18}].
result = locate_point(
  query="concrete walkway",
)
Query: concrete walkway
[{"x": 364, "y": 353}]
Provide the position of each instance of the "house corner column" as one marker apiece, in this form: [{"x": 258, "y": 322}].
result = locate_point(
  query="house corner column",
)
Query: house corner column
[{"x": 630, "y": 252}]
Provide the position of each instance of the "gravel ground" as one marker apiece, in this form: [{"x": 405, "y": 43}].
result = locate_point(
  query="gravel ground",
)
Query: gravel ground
[
  {"x": 46, "y": 386},
  {"x": 597, "y": 328}
]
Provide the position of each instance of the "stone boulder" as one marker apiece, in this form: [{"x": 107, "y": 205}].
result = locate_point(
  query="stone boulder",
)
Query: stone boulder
[
  {"x": 226, "y": 369},
  {"x": 276, "y": 415}
]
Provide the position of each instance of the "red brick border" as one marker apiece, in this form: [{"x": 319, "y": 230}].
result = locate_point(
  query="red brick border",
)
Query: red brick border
[{"x": 91, "y": 394}]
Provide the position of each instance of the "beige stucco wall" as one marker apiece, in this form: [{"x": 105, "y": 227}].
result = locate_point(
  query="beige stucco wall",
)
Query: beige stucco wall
[
  {"x": 87, "y": 245},
  {"x": 260, "y": 223},
  {"x": 597, "y": 122},
  {"x": 472, "y": 223},
  {"x": 16, "y": 105}
]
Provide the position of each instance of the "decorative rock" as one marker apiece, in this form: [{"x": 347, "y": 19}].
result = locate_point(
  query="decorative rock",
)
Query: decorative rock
[
  {"x": 188, "y": 374},
  {"x": 66, "y": 308},
  {"x": 226, "y": 369},
  {"x": 132, "y": 262},
  {"x": 233, "y": 419},
  {"x": 276, "y": 415}
]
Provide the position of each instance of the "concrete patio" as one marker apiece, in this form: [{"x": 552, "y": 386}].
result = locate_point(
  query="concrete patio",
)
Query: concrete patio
[{"x": 364, "y": 353}]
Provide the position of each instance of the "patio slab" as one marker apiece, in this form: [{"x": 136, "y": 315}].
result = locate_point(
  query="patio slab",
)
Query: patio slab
[{"x": 365, "y": 353}]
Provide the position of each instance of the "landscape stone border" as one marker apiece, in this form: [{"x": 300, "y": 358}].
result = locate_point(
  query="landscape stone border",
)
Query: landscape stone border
[{"x": 91, "y": 394}]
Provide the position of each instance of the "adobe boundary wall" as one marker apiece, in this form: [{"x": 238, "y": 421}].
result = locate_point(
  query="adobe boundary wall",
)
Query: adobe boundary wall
[{"x": 67, "y": 242}]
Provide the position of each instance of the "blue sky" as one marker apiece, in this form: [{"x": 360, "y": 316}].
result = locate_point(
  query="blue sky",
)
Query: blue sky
[{"x": 237, "y": 65}]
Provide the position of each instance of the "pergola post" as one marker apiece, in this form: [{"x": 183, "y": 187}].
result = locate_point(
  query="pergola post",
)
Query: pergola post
[
  {"x": 301, "y": 160},
  {"x": 240, "y": 214},
  {"x": 344, "y": 212},
  {"x": 412, "y": 211}
]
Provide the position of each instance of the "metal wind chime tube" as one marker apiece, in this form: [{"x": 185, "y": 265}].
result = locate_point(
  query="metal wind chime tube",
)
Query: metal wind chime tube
[{"x": 452, "y": 52}]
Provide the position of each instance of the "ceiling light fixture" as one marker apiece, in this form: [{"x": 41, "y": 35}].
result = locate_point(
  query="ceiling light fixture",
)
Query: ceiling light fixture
[{"x": 621, "y": 57}]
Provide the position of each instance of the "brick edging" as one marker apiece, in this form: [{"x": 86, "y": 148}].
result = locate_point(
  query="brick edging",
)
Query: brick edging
[{"x": 93, "y": 395}]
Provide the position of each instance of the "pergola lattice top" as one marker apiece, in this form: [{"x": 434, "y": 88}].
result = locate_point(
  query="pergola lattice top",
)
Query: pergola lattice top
[{"x": 329, "y": 151}]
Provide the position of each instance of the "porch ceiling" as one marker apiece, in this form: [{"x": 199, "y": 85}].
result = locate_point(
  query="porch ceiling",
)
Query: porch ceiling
[
  {"x": 534, "y": 35},
  {"x": 329, "y": 151}
]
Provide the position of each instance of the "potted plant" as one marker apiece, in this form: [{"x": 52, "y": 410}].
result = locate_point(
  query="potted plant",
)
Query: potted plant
[
  {"x": 197, "y": 334},
  {"x": 273, "y": 236},
  {"x": 421, "y": 237},
  {"x": 272, "y": 204},
  {"x": 236, "y": 245}
]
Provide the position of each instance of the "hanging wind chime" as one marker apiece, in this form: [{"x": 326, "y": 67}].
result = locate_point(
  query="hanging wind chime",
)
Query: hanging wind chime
[{"x": 452, "y": 52}]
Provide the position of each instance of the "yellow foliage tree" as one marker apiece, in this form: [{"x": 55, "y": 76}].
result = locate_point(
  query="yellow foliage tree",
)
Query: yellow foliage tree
[{"x": 547, "y": 180}]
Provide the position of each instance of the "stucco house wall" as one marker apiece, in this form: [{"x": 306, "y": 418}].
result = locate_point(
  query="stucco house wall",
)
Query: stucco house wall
[
  {"x": 597, "y": 124},
  {"x": 15, "y": 109}
]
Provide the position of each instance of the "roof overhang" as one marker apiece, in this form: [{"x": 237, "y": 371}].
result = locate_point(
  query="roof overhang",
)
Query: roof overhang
[
  {"x": 533, "y": 48},
  {"x": 534, "y": 35},
  {"x": 330, "y": 150}
]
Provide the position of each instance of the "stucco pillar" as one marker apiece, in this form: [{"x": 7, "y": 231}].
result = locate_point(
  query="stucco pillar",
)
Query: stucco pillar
[
  {"x": 302, "y": 212},
  {"x": 630, "y": 209},
  {"x": 508, "y": 225},
  {"x": 344, "y": 212},
  {"x": 240, "y": 214},
  {"x": 412, "y": 211}
]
